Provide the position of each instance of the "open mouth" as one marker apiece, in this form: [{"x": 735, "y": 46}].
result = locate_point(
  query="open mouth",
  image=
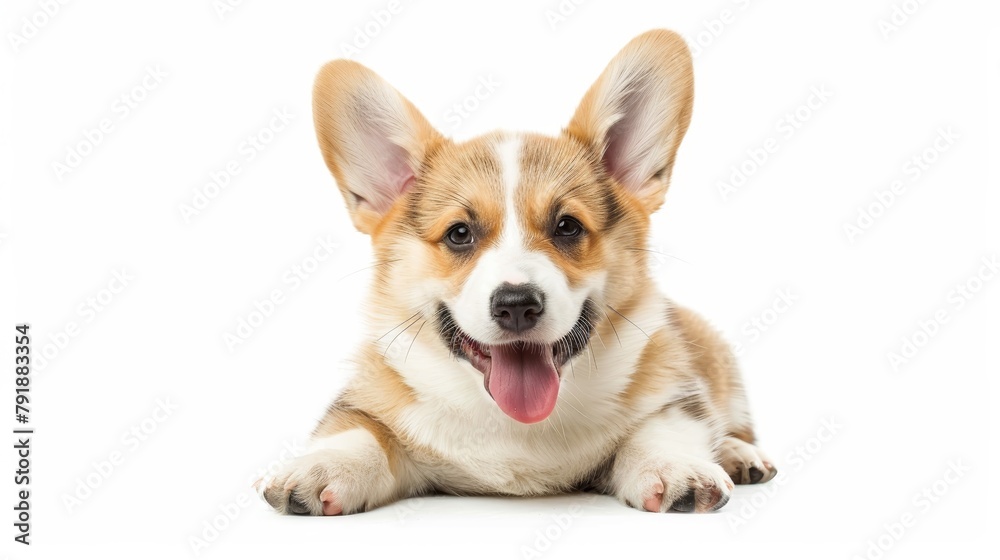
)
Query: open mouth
[{"x": 522, "y": 376}]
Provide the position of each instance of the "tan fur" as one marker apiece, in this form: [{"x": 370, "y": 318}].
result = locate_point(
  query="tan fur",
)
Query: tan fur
[
  {"x": 714, "y": 362},
  {"x": 377, "y": 388},
  {"x": 665, "y": 362},
  {"x": 341, "y": 418}
]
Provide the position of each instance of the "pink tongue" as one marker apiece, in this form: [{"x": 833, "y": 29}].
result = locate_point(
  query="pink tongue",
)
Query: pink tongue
[{"x": 524, "y": 381}]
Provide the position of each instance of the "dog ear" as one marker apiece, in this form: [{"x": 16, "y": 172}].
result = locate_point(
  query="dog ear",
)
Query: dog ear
[
  {"x": 636, "y": 113},
  {"x": 373, "y": 140}
]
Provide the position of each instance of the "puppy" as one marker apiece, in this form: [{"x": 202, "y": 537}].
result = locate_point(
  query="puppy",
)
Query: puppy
[{"x": 518, "y": 345}]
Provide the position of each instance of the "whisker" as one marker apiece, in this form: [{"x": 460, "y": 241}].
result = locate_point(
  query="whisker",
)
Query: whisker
[
  {"x": 630, "y": 321},
  {"x": 612, "y": 323},
  {"x": 563, "y": 430},
  {"x": 696, "y": 345},
  {"x": 593, "y": 329},
  {"x": 399, "y": 325},
  {"x": 583, "y": 343},
  {"x": 449, "y": 327},
  {"x": 657, "y": 252},
  {"x": 578, "y": 411},
  {"x": 382, "y": 263},
  {"x": 410, "y": 347},
  {"x": 579, "y": 402},
  {"x": 397, "y": 335}
]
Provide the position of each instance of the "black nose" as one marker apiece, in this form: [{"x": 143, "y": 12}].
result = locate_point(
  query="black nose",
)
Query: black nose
[{"x": 516, "y": 307}]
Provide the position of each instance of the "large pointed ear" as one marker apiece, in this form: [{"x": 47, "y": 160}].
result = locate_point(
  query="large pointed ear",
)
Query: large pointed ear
[
  {"x": 636, "y": 113},
  {"x": 373, "y": 140}
]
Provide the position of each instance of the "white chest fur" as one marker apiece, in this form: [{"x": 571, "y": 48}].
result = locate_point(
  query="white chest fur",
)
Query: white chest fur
[{"x": 470, "y": 445}]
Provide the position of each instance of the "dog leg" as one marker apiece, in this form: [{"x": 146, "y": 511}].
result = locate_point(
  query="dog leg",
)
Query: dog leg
[
  {"x": 355, "y": 468},
  {"x": 714, "y": 363},
  {"x": 669, "y": 464}
]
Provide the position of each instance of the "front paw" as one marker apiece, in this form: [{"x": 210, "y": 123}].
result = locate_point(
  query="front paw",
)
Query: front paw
[
  {"x": 326, "y": 483},
  {"x": 745, "y": 463},
  {"x": 681, "y": 485}
]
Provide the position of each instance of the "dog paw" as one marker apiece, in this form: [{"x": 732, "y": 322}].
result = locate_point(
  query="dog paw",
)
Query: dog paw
[
  {"x": 744, "y": 462},
  {"x": 681, "y": 486},
  {"x": 326, "y": 483}
]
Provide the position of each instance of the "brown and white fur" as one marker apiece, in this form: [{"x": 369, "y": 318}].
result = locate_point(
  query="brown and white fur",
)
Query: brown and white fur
[{"x": 649, "y": 406}]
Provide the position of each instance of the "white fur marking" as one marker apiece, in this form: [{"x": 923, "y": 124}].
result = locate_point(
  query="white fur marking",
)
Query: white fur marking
[{"x": 512, "y": 238}]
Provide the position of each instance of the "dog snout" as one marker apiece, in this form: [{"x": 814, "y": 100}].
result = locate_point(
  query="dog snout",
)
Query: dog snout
[{"x": 516, "y": 308}]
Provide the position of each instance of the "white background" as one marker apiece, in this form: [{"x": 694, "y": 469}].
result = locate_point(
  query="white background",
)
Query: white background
[{"x": 823, "y": 360}]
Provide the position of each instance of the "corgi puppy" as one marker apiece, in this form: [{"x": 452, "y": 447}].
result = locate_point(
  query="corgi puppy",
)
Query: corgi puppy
[{"x": 518, "y": 345}]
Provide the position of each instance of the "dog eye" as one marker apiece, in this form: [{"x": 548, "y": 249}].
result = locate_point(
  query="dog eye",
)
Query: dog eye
[
  {"x": 568, "y": 227},
  {"x": 459, "y": 236}
]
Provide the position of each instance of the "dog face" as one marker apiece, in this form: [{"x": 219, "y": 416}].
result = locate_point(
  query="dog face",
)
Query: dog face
[
  {"x": 513, "y": 246},
  {"x": 522, "y": 257}
]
